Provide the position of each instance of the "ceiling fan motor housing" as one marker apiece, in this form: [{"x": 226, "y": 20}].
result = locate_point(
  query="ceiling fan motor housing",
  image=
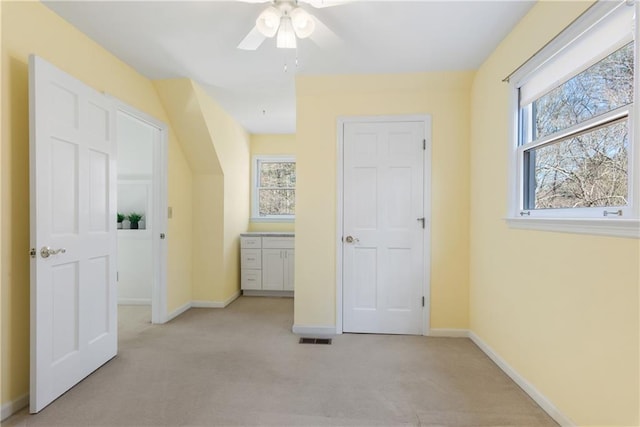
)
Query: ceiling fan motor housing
[{"x": 286, "y": 19}]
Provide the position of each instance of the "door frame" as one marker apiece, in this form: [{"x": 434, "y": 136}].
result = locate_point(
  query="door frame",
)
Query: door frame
[
  {"x": 426, "y": 281},
  {"x": 160, "y": 209}
]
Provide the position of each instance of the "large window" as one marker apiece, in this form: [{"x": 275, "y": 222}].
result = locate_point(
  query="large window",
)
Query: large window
[
  {"x": 574, "y": 141},
  {"x": 274, "y": 192}
]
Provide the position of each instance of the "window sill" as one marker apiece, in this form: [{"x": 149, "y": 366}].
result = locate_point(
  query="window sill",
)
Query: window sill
[
  {"x": 595, "y": 226},
  {"x": 271, "y": 219}
]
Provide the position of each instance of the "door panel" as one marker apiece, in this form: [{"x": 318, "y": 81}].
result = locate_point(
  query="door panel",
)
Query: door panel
[
  {"x": 64, "y": 186},
  {"x": 98, "y": 307},
  {"x": 365, "y": 283},
  {"x": 73, "y": 206},
  {"x": 99, "y": 192},
  {"x": 65, "y": 315},
  {"x": 383, "y": 265}
]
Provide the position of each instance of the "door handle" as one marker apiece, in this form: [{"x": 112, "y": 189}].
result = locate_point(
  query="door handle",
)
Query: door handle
[
  {"x": 351, "y": 239},
  {"x": 46, "y": 251}
]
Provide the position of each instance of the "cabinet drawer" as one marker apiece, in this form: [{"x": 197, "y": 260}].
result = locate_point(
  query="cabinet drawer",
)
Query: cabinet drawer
[
  {"x": 250, "y": 242},
  {"x": 278, "y": 242},
  {"x": 251, "y": 280},
  {"x": 251, "y": 258}
]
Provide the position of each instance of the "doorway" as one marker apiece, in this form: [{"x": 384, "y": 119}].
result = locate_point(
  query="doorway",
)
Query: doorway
[
  {"x": 142, "y": 212},
  {"x": 383, "y": 225}
]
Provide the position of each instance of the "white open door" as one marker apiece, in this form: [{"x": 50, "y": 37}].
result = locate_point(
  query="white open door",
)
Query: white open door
[{"x": 73, "y": 231}]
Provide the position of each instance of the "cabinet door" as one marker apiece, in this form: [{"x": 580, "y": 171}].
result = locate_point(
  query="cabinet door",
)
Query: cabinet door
[
  {"x": 289, "y": 262},
  {"x": 273, "y": 269}
]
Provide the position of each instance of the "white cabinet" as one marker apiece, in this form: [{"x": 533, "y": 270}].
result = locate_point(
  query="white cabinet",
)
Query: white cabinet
[{"x": 267, "y": 263}]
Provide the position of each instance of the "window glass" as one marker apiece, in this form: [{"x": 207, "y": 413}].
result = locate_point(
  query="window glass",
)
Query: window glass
[
  {"x": 277, "y": 174},
  {"x": 603, "y": 87},
  {"x": 277, "y": 202},
  {"x": 585, "y": 170}
]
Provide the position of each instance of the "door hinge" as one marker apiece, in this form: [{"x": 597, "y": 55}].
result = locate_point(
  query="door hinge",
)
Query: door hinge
[
  {"x": 162, "y": 236},
  {"x": 422, "y": 220},
  {"x": 424, "y": 144},
  {"x": 423, "y": 301},
  {"x": 32, "y": 252},
  {"x": 117, "y": 276}
]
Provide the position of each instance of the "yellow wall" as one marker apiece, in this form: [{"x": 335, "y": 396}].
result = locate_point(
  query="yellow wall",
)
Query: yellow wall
[
  {"x": 284, "y": 144},
  {"x": 232, "y": 145},
  {"x": 29, "y": 27},
  {"x": 1, "y": 195},
  {"x": 218, "y": 150},
  {"x": 561, "y": 309},
  {"x": 320, "y": 101}
]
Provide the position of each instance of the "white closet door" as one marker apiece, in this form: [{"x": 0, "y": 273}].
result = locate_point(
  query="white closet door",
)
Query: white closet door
[{"x": 383, "y": 247}]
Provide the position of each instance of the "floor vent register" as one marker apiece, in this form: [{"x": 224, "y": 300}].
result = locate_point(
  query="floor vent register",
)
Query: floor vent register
[{"x": 315, "y": 340}]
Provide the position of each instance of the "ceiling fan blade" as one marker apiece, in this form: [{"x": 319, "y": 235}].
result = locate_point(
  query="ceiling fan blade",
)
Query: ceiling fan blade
[
  {"x": 324, "y": 37},
  {"x": 253, "y": 40},
  {"x": 319, "y": 4}
]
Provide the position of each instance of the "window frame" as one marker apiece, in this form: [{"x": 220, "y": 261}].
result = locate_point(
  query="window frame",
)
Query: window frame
[
  {"x": 255, "y": 186},
  {"x": 574, "y": 220}
]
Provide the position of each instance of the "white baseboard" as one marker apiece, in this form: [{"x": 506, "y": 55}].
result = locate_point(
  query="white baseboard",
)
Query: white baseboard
[
  {"x": 280, "y": 294},
  {"x": 232, "y": 298},
  {"x": 525, "y": 385},
  {"x": 178, "y": 311},
  {"x": 450, "y": 333},
  {"x": 134, "y": 301},
  {"x": 11, "y": 408},
  {"x": 202, "y": 304},
  {"x": 314, "y": 331},
  {"x": 215, "y": 304}
]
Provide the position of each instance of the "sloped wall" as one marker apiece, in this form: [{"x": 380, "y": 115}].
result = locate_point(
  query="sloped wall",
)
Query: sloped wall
[{"x": 218, "y": 150}]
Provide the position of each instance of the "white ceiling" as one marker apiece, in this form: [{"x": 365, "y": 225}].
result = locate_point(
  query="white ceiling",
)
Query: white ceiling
[{"x": 198, "y": 40}]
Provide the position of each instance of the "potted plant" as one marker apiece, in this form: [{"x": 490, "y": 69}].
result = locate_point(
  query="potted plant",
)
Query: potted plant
[
  {"x": 134, "y": 218},
  {"x": 120, "y": 219}
]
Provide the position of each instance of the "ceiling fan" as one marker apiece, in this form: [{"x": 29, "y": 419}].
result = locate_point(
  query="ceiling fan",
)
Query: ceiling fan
[{"x": 287, "y": 21}]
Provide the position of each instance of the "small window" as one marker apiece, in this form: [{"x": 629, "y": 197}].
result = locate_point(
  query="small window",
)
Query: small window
[
  {"x": 573, "y": 150},
  {"x": 274, "y": 192}
]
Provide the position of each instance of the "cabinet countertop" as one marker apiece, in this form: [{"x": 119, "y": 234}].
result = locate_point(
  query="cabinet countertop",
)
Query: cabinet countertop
[{"x": 268, "y": 234}]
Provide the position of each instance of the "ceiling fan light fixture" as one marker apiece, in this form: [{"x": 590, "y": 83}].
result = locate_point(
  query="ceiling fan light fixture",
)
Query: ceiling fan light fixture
[
  {"x": 286, "y": 38},
  {"x": 303, "y": 23},
  {"x": 269, "y": 21}
]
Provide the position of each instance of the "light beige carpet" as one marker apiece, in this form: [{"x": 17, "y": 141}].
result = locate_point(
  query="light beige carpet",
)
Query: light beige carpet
[{"x": 243, "y": 366}]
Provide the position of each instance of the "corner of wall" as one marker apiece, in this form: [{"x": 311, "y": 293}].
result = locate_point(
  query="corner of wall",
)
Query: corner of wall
[{"x": 217, "y": 148}]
